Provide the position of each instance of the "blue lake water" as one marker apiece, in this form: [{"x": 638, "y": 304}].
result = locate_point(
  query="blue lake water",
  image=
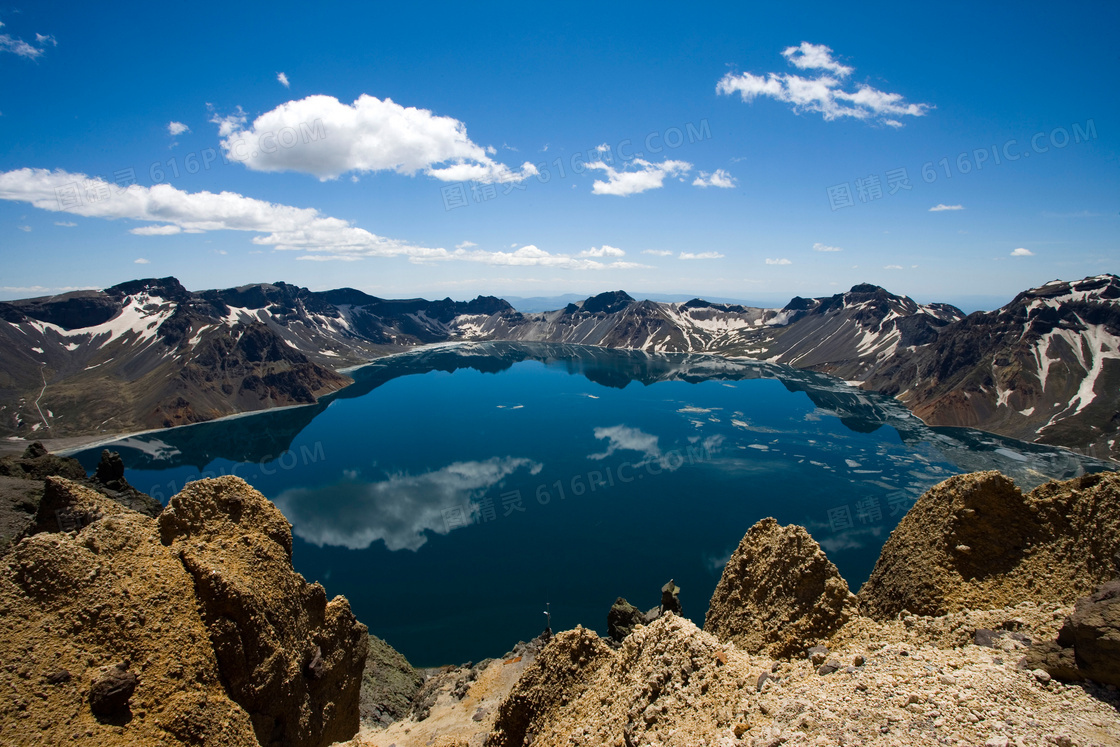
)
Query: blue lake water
[{"x": 452, "y": 492}]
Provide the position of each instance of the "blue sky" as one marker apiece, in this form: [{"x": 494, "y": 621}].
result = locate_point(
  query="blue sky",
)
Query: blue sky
[{"x": 457, "y": 149}]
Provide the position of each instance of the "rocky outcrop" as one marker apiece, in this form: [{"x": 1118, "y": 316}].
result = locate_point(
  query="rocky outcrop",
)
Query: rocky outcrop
[
  {"x": 193, "y": 630},
  {"x": 779, "y": 593},
  {"x": 22, "y": 486},
  {"x": 622, "y": 619},
  {"x": 389, "y": 683},
  {"x": 289, "y": 657},
  {"x": 976, "y": 541},
  {"x": 559, "y": 675},
  {"x": 1088, "y": 645}
]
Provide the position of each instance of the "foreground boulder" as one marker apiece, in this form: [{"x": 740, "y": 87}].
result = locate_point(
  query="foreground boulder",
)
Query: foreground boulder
[
  {"x": 1088, "y": 645},
  {"x": 779, "y": 593},
  {"x": 195, "y": 630},
  {"x": 560, "y": 674},
  {"x": 976, "y": 541},
  {"x": 289, "y": 657}
]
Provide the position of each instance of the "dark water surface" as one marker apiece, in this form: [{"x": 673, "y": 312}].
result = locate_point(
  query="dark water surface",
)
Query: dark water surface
[{"x": 450, "y": 493}]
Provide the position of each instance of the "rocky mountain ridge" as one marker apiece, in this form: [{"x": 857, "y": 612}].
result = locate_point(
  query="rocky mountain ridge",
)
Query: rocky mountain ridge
[{"x": 150, "y": 354}]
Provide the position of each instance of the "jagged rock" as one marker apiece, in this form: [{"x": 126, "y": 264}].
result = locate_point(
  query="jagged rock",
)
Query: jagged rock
[
  {"x": 389, "y": 684},
  {"x": 265, "y": 621},
  {"x": 111, "y": 689},
  {"x": 110, "y": 591},
  {"x": 561, "y": 672},
  {"x": 779, "y": 593},
  {"x": 1088, "y": 645},
  {"x": 1052, "y": 545},
  {"x": 671, "y": 598},
  {"x": 622, "y": 619},
  {"x": 22, "y": 484},
  {"x": 207, "y": 610},
  {"x": 37, "y": 463}
]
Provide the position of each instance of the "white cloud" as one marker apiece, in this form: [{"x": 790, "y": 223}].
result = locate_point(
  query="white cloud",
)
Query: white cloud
[
  {"x": 532, "y": 256},
  {"x": 718, "y": 179},
  {"x": 283, "y": 80},
  {"x": 781, "y": 261},
  {"x": 823, "y": 94},
  {"x": 282, "y": 227},
  {"x": 1021, "y": 252},
  {"x": 21, "y": 48},
  {"x": 700, "y": 255},
  {"x": 658, "y": 252},
  {"x": 633, "y": 181},
  {"x": 892, "y": 267},
  {"x": 65, "y": 223},
  {"x": 398, "y": 510},
  {"x": 321, "y": 136},
  {"x": 176, "y": 128},
  {"x": 141, "y": 261},
  {"x": 941, "y": 207},
  {"x": 465, "y": 245},
  {"x": 164, "y": 230},
  {"x": 819, "y": 247},
  {"x": 815, "y": 57},
  {"x": 603, "y": 251},
  {"x": 25, "y": 229}
]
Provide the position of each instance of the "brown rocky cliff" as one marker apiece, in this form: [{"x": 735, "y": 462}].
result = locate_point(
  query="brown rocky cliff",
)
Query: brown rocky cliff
[
  {"x": 195, "y": 630},
  {"x": 976, "y": 541},
  {"x": 779, "y": 593}
]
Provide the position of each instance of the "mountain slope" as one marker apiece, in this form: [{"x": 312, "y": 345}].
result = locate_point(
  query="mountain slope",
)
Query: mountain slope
[{"x": 1045, "y": 367}]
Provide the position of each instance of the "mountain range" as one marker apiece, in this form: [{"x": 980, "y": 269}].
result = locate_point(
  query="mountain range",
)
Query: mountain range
[{"x": 152, "y": 354}]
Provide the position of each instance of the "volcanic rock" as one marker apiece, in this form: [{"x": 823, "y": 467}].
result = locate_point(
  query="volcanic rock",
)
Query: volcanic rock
[
  {"x": 1088, "y": 645},
  {"x": 778, "y": 594},
  {"x": 1052, "y": 545}
]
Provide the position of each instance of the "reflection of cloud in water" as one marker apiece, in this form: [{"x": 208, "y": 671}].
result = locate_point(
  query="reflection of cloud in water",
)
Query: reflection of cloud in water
[
  {"x": 625, "y": 438},
  {"x": 397, "y": 510},
  {"x": 851, "y": 539},
  {"x": 153, "y": 447}
]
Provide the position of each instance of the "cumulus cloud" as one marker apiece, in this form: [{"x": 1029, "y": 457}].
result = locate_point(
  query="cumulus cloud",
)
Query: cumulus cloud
[
  {"x": 283, "y": 80},
  {"x": 824, "y": 94},
  {"x": 815, "y": 57},
  {"x": 141, "y": 261},
  {"x": 65, "y": 223},
  {"x": 639, "y": 176},
  {"x": 176, "y": 128},
  {"x": 940, "y": 207},
  {"x": 321, "y": 136},
  {"x": 782, "y": 261},
  {"x": 1021, "y": 252},
  {"x": 819, "y": 247},
  {"x": 399, "y": 510},
  {"x": 658, "y": 252},
  {"x": 465, "y": 245},
  {"x": 719, "y": 178},
  {"x": 25, "y": 229},
  {"x": 603, "y": 251},
  {"x": 700, "y": 255},
  {"x": 892, "y": 267}
]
